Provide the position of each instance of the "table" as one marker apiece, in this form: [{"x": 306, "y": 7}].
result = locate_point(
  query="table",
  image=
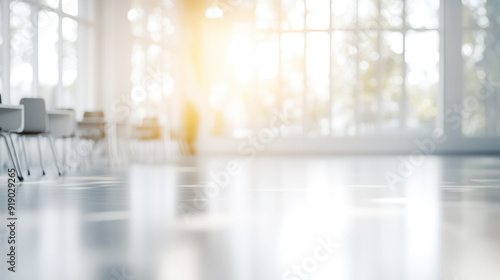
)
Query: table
[
  {"x": 12, "y": 118},
  {"x": 62, "y": 123}
]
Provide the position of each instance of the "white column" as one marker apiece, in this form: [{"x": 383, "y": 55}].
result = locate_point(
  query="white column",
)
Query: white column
[
  {"x": 5, "y": 52},
  {"x": 451, "y": 63}
]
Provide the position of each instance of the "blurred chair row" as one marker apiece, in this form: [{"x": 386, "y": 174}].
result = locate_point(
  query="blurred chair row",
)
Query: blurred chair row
[
  {"x": 30, "y": 120},
  {"x": 148, "y": 142}
]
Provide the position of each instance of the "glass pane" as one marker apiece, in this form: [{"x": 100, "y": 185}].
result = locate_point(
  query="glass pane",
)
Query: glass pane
[
  {"x": 48, "y": 58},
  {"x": 391, "y": 13},
  {"x": 481, "y": 13},
  {"x": 153, "y": 55},
  {"x": 422, "y": 78},
  {"x": 238, "y": 110},
  {"x": 70, "y": 7},
  {"x": 168, "y": 28},
  {"x": 232, "y": 90},
  {"x": 318, "y": 14},
  {"x": 136, "y": 18},
  {"x": 367, "y": 13},
  {"x": 343, "y": 14},
  {"x": 70, "y": 63},
  {"x": 343, "y": 83},
  {"x": 368, "y": 69},
  {"x": 481, "y": 53},
  {"x": 292, "y": 70},
  {"x": 154, "y": 25},
  {"x": 1, "y": 46},
  {"x": 267, "y": 56},
  {"x": 268, "y": 97},
  {"x": 267, "y": 14},
  {"x": 422, "y": 13},
  {"x": 138, "y": 63},
  {"x": 21, "y": 52},
  {"x": 318, "y": 83},
  {"x": 391, "y": 80},
  {"x": 292, "y": 14},
  {"x": 51, "y": 3}
]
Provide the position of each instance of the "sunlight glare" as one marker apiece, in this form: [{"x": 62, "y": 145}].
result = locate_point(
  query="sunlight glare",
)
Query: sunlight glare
[{"x": 243, "y": 57}]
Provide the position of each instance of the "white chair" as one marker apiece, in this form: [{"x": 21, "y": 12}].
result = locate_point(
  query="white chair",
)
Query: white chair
[
  {"x": 12, "y": 121},
  {"x": 36, "y": 124},
  {"x": 93, "y": 128},
  {"x": 62, "y": 125}
]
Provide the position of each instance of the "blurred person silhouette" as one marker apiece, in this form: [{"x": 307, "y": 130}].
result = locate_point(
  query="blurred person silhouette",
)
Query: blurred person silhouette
[{"x": 189, "y": 125}]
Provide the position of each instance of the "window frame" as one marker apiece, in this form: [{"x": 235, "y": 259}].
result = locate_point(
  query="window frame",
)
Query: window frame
[
  {"x": 85, "y": 50},
  {"x": 356, "y": 31},
  {"x": 450, "y": 93}
]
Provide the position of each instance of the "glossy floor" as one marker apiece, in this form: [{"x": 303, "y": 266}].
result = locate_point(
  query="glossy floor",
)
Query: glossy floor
[{"x": 309, "y": 217}]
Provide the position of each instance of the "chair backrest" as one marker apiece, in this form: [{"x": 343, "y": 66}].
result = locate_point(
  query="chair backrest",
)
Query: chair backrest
[
  {"x": 35, "y": 115},
  {"x": 93, "y": 114}
]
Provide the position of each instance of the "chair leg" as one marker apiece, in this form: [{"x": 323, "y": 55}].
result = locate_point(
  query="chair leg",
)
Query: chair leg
[
  {"x": 25, "y": 153},
  {"x": 75, "y": 154},
  {"x": 15, "y": 156},
  {"x": 64, "y": 142},
  {"x": 54, "y": 154},
  {"x": 5, "y": 164},
  {"x": 19, "y": 174},
  {"x": 40, "y": 154}
]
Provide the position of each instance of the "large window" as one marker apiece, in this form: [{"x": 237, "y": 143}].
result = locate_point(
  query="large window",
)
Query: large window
[
  {"x": 481, "y": 53},
  {"x": 45, "y": 54},
  {"x": 154, "y": 60},
  {"x": 338, "y": 68}
]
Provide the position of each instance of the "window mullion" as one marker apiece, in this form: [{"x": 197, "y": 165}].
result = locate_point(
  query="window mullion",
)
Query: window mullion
[
  {"x": 59, "y": 93},
  {"x": 440, "y": 105},
  {"x": 280, "y": 58},
  {"x": 357, "y": 89},
  {"x": 330, "y": 101},
  {"x": 379, "y": 70},
  {"x": 403, "y": 109},
  {"x": 305, "y": 89},
  {"x": 81, "y": 18},
  {"x": 452, "y": 63},
  {"x": 6, "y": 51},
  {"x": 82, "y": 79},
  {"x": 35, "y": 10}
]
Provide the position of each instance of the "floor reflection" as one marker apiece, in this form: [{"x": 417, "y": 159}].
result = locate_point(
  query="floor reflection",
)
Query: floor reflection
[{"x": 278, "y": 218}]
